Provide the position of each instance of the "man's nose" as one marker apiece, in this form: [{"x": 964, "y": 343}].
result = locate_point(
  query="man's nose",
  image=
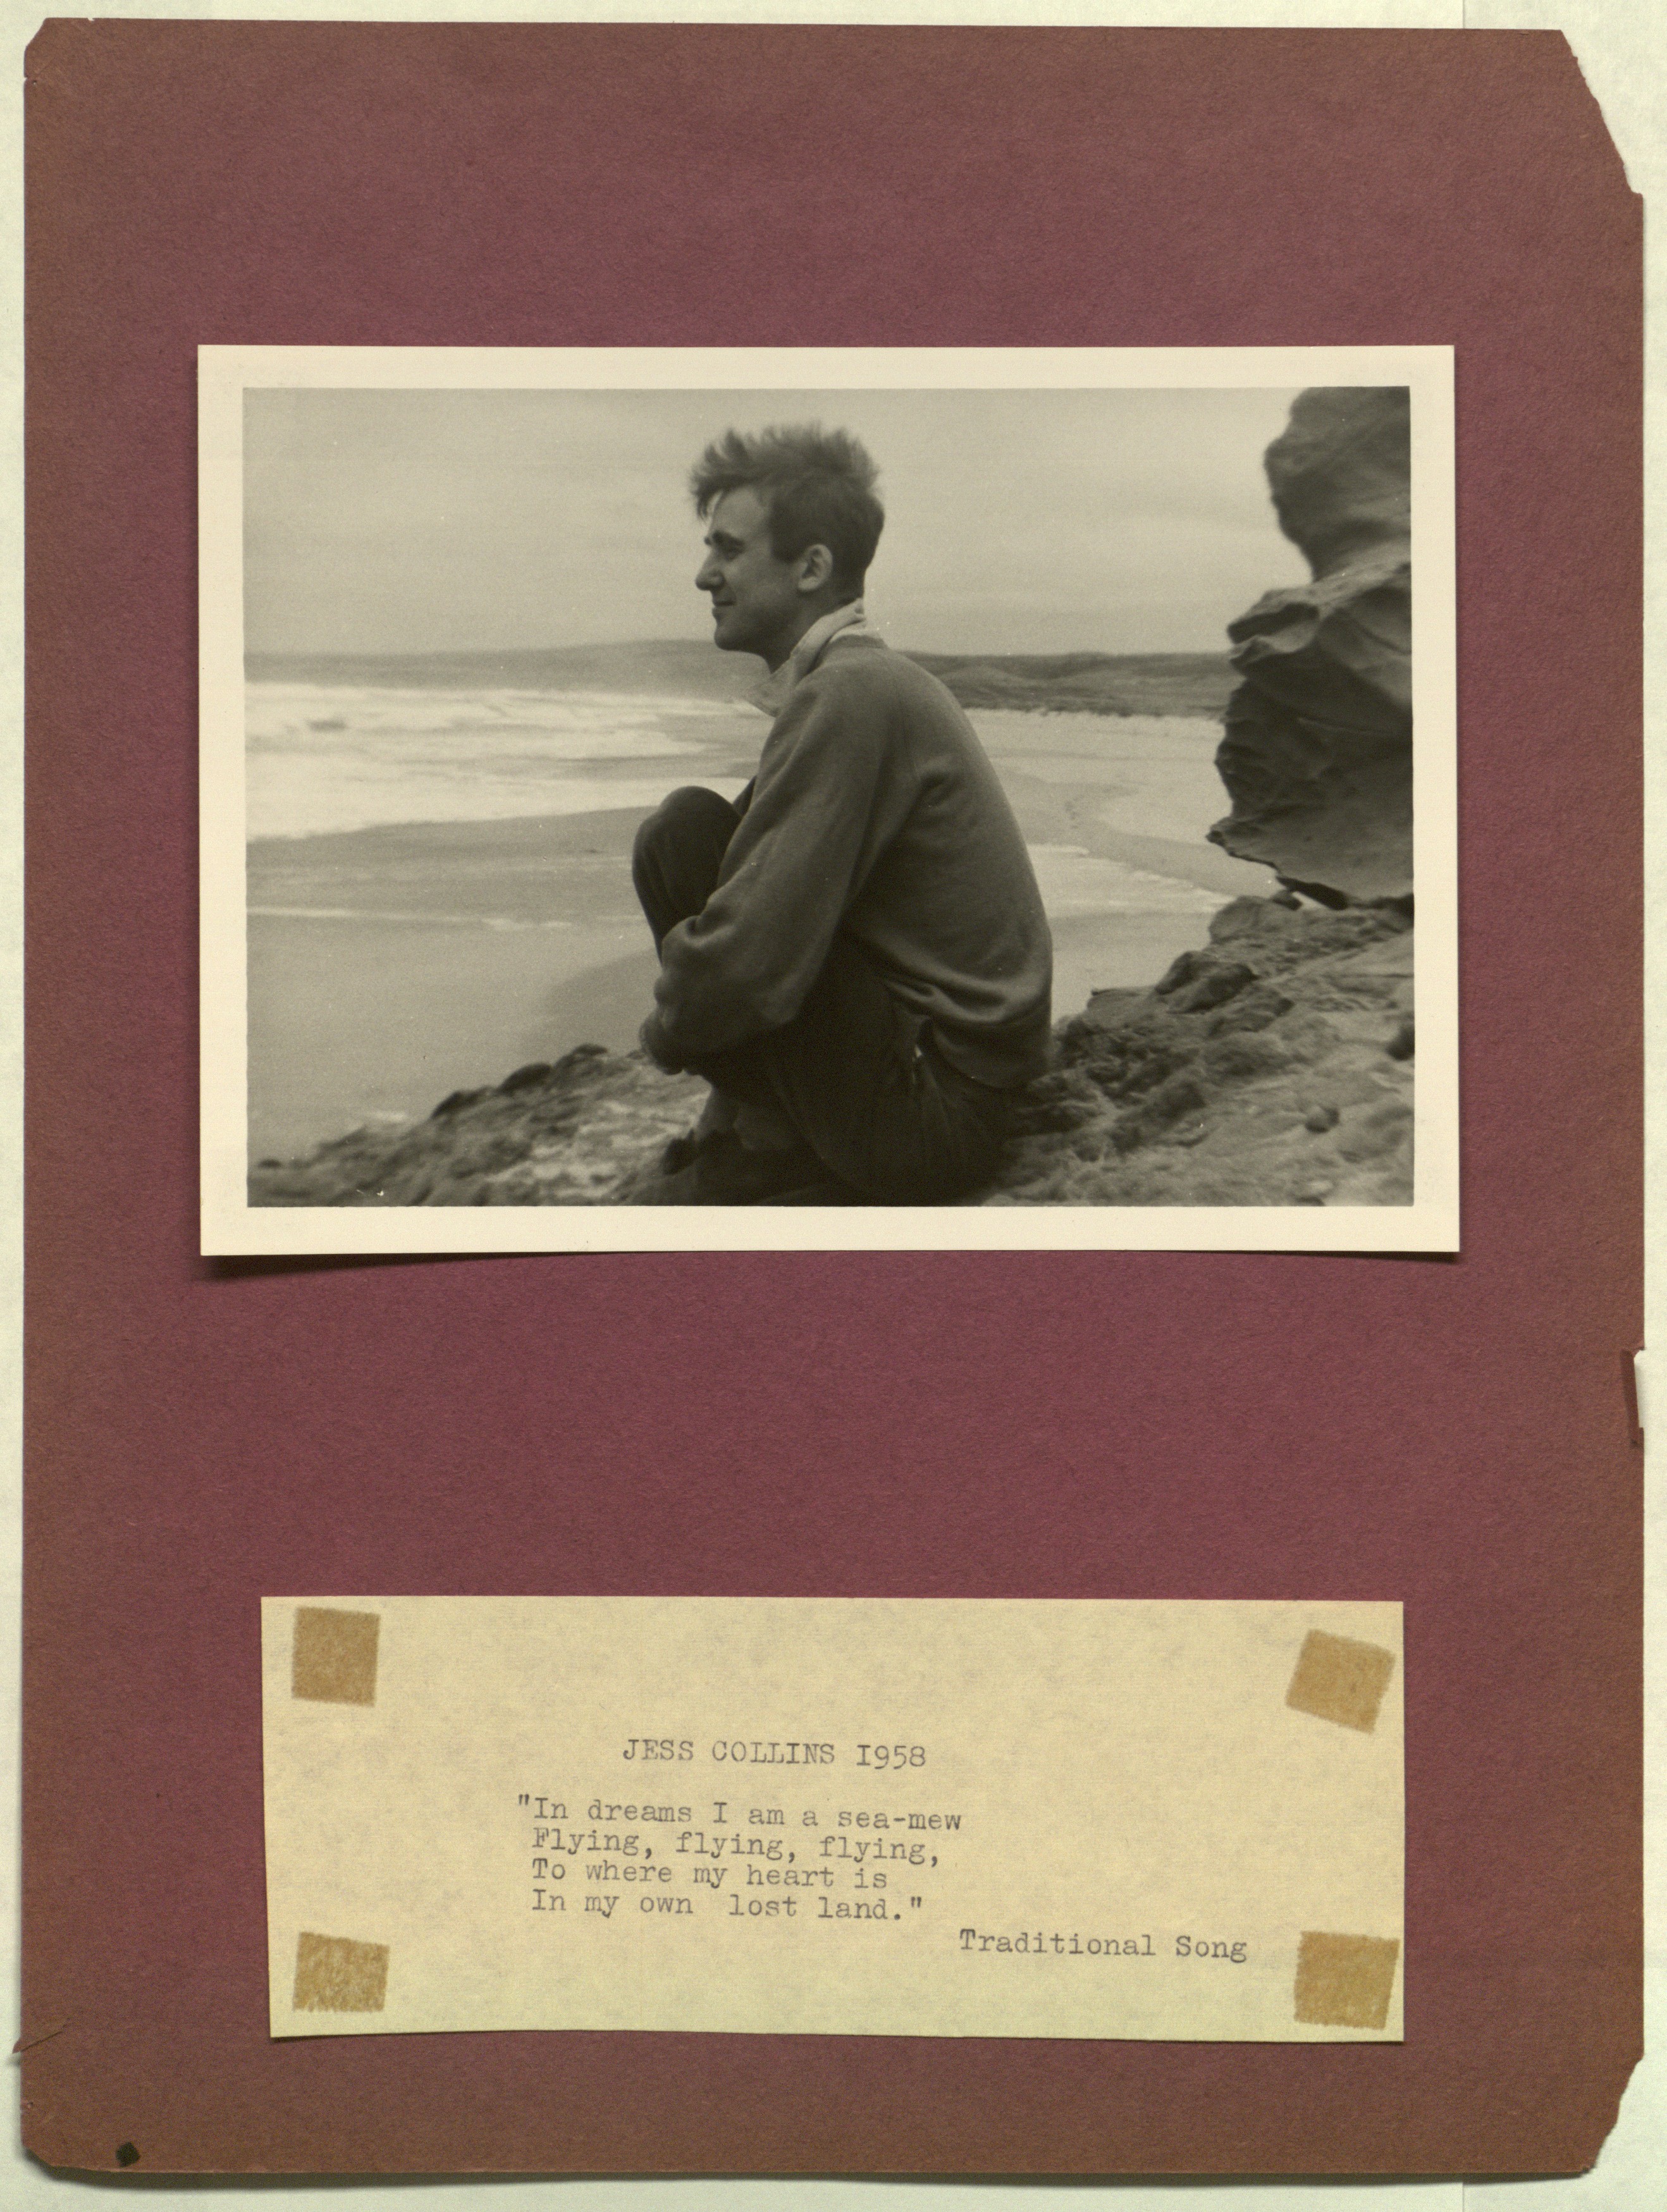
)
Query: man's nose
[{"x": 707, "y": 580}]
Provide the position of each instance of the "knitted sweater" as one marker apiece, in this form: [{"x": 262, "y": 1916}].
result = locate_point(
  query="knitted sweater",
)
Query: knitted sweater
[{"x": 874, "y": 811}]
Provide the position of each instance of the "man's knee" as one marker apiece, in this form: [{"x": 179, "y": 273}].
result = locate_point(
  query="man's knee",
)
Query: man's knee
[
  {"x": 677, "y": 852},
  {"x": 690, "y": 816}
]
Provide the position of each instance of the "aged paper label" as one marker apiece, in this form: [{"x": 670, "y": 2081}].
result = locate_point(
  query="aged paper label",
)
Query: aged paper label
[{"x": 850, "y": 1816}]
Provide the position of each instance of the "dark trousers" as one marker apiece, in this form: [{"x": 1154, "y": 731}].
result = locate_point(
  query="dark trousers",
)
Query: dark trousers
[{"x": 855, "y": 1072}]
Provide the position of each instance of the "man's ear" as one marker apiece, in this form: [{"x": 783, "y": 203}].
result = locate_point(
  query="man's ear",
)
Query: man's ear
[{"x": 816, "y": 567}]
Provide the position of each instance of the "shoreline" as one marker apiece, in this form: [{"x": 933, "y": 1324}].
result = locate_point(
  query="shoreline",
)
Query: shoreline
[
  {"x": 391, "y": 965},
  {"x": 334, "y": 1057}
]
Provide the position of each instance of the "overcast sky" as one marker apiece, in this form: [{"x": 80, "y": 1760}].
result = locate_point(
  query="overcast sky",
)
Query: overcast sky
[{"x": 1017, "y": 521}]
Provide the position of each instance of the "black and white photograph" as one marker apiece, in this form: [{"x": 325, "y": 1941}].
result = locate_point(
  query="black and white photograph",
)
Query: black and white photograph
[{"x": 736, "y": 799}]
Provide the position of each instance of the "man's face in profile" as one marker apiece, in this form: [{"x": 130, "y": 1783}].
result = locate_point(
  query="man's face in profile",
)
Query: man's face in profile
[{"x": 758, "y": 602}]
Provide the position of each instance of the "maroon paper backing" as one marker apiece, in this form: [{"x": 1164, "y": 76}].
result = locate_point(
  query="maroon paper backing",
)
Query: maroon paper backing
[{"x": 1059, "y": 1426}]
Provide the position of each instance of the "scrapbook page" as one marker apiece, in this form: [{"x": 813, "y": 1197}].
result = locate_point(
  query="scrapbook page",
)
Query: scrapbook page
[{"x": 1271, "y": 1602}]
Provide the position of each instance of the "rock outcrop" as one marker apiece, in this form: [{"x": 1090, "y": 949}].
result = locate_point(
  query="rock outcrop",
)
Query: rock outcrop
[
  {"x": 1317, "y": 751},
  {"x": 570, "y": 1133},
  {"x": 1271, "y": 1067}
]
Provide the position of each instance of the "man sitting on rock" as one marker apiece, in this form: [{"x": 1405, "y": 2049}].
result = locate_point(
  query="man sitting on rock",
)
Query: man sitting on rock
[{"x": 855, "y": 954}]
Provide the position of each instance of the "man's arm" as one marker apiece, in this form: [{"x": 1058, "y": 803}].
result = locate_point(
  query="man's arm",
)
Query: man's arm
[{"x": 828, "y": 795}]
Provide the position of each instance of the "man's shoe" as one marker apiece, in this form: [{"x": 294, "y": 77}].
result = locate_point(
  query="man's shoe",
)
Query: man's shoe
[
  {"x": 678, "y": 1154},
  {"x": 827, "y": 1191},
  {"x": 721, "y": 1171}
]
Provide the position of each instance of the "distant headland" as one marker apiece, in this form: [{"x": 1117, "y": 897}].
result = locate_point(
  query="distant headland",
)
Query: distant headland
[{"x": 1179, "y": 684}]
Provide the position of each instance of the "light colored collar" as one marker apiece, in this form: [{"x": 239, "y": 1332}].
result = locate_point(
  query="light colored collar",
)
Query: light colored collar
[{"x": 848, "y": 621}]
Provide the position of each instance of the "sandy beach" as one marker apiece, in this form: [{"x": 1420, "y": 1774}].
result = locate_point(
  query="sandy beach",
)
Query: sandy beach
[
  {"x": 393, "y": 963},
  {"x": 390, "y": 966}
]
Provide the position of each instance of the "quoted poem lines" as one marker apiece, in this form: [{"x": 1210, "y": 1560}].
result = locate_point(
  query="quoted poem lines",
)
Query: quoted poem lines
[{"x": 753, "y": 1863}]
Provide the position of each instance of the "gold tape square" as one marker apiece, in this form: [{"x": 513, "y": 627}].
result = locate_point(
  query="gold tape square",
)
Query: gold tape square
[
  {"x": 1338, "y": 1680},
  {"x": 1345, "y": 1981},
  {"x": 335, "y": 1974},
  {"x": 335, "y": 1656}
]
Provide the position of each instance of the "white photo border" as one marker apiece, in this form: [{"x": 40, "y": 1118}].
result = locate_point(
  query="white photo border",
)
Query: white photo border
[{"x": 231, "y": 1227}]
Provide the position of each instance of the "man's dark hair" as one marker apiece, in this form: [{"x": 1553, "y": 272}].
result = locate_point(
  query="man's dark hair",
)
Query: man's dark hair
[{"x": 817, "y": 485}]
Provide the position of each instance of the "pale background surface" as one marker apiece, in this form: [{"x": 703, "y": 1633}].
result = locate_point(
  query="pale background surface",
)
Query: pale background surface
[{"x": 1623, "y": 47}]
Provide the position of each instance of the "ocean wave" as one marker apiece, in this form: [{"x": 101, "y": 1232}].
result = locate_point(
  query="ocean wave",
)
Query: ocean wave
[
  {"x": 324, "y": 758},
  {"x": 319, "y": 717}
]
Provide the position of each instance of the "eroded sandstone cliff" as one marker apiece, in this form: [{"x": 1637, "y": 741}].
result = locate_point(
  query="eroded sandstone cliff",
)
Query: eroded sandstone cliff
[{"x": 1316, "y": 754}]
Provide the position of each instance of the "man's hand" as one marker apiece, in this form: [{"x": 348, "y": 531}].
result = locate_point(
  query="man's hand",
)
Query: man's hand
[{"x": 653, "y": 1039}]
